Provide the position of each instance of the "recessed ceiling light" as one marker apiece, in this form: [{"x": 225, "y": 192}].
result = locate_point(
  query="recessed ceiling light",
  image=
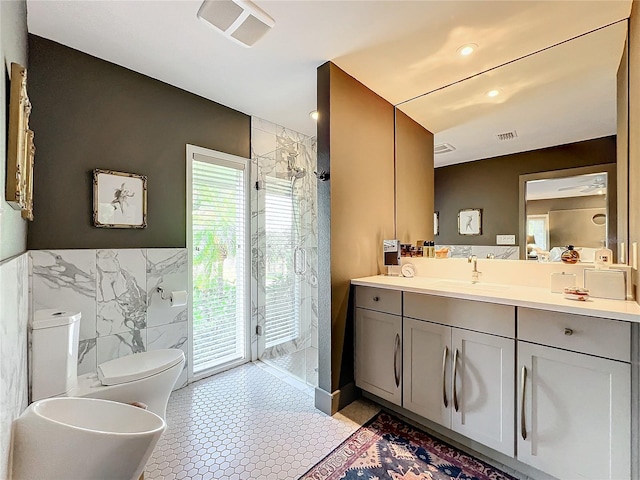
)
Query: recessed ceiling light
[
  {"x": 314, "y": 114},
  {"x": 493, "y": 93},
  {"x": 468, "y": 49}
]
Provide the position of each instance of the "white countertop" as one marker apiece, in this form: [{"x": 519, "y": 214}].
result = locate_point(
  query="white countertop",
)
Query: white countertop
[{"x": 520, "y": 296}]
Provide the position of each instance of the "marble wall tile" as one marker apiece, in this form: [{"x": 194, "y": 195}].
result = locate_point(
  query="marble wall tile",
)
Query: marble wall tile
[
  {"x": 114, "y": 289},
  {"x": 66, "y": 279},
  {"x": 505, "y": 252},
  {"x": 174, "y": 335},
  {"x": 120, "y": 345},
  {"x": 121, "y": 291},
  {"x": 87, "y": 356},
  {"x": 166, "y": 268},
  {"x": 261, "y": 124},
  {"x": 14, "y": 302},
  {"x": 262, "y": 143}
]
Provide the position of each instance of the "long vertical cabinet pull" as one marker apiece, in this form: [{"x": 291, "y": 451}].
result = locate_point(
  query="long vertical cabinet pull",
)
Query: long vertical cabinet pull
[
  {"x": 455, "y": 373},
  {"x": 396, "y": 349},
  {"x": 523, "y": 423},
  {"x": 444, "y": 372}
]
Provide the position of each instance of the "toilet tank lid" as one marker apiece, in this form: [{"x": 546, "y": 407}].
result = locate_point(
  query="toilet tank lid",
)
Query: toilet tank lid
[
  {"x": 53, "y": 317},
  {"x": 138, "y": 366}
]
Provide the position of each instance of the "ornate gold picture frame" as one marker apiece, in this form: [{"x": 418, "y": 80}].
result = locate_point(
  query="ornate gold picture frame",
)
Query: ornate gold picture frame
[
  {"x": 119, "y": 199},
  {"x": 20, "y": 146}
]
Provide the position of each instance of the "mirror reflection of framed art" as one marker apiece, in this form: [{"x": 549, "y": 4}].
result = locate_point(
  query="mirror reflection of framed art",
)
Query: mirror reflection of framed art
[{"x": 470, "y": 221}]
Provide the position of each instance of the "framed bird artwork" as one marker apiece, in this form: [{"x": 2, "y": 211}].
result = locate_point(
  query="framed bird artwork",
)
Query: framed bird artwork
[{"x": 119, "y": 199}]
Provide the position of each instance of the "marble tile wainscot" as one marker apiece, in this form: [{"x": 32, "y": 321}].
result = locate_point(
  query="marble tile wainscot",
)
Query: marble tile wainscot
[
  {"x": 14, "y": 313},
  {"x": 115, "y": 289},
  {"x": 576, "y": 363}
]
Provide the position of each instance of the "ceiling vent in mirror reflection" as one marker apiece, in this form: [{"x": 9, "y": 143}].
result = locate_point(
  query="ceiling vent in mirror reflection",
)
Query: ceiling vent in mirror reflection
[
  {"x": 507, "y": 135},
  {"x": 443, "y": 148}
]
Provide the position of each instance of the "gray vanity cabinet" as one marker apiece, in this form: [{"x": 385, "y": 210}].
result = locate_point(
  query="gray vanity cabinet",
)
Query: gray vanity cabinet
[
  {"x": 574, "y": 395},
  {"x": 378, "y": 342},
  {"x": 426, "y": 370},
  {"x": 459, "y": 378},
  {"x": 562, "y": 405}
]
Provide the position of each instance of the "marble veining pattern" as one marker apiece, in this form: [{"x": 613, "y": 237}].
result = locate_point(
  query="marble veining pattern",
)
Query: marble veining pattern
[
  {"x": 114, "y": 290},
  {"x": 110, "y": 347},
  {"x": 166, "y": 268},
  {"x": 481, "y": 251},
  {"x": 173, "y": 335},
  {"x": 66, "y": 279},
  {"x": 14, "y": 299},
  {"x": 121, "y": 291},
  {"x": 281, "y": 153}
]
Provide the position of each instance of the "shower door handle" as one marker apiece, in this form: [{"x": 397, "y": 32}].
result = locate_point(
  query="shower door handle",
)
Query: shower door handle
[{"x": 296, "y": 254}]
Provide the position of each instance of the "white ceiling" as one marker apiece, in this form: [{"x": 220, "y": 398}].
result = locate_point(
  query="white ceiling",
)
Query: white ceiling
[
  {"x": 398, "y": 49},
  {"x": 576, "y": 186}
]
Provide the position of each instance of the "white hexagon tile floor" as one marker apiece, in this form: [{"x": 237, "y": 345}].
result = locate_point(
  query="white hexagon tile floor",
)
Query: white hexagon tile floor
[{"x": 247, "y": 423}]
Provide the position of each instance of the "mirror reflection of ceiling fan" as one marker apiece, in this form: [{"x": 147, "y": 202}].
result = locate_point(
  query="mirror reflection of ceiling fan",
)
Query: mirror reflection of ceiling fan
[{"x": 588, "y": 185}]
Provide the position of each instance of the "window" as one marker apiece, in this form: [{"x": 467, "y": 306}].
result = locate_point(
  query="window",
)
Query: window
[{"x": 218, "y": 227}]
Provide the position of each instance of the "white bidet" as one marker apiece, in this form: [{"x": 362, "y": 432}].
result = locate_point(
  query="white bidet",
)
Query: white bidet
[{"x": 83, "y": 439}]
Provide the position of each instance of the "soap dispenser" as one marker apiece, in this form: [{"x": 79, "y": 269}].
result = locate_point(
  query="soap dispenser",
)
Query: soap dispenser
[{"x": 570, "y": 255}]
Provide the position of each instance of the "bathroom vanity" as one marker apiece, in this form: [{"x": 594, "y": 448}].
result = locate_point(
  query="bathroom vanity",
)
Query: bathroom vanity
[{"x": 540, "y": 379}]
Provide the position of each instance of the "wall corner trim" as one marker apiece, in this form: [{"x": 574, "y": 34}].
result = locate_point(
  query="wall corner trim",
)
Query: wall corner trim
[{"x": 331, "y": 403}]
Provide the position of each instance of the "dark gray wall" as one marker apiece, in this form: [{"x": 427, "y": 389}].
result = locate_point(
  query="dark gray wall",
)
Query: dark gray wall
[
  {"x": 88, "y": 113},
  {"x": 324, "y": 229},
  {"x": 493, "y": 186}
]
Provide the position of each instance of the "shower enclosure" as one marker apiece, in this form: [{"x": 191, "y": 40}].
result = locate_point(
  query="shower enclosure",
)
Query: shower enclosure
[{"x": 284, "y": 255}]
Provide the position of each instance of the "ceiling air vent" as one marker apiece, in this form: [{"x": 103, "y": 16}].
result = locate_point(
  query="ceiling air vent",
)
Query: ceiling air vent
[
  {"x": 443, "y": 148},
  {"x": 507, "y": 135},
  {"x": 240, "y": 20}
]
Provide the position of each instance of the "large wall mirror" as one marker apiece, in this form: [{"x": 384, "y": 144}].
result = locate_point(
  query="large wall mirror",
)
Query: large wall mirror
[{"x": 558, "y": 109}]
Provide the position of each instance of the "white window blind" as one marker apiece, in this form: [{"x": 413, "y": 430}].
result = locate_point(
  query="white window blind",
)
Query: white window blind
[
  {"x": 218, "y": 232},
  {"x": 282, "y": 287}
]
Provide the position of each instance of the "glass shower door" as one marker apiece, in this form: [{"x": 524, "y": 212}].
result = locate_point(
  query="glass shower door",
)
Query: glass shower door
[{"x": 286, "y": 264}]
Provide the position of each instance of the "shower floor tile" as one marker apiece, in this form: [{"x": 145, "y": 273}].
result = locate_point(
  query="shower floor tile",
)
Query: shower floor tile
[
  {"x": 302, "y": 364},
  {"x": 247, "y": 423}
]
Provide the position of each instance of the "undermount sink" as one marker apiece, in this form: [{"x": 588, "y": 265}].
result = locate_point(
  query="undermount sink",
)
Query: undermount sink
[
  {"x": 459, "y": 284},
  {"x": 72, "y": 438}
]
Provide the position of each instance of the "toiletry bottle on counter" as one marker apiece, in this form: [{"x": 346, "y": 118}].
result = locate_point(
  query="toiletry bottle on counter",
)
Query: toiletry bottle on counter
[
  {"x": 570, "y": 255},
  {"x": 603, "y": 258}
]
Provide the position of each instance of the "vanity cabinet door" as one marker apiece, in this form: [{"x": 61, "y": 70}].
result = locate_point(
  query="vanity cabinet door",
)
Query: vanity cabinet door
[
  {"x": 378, "y": 368},
  {"x": 427, "y": 370},
  {"x": 483, "y": 389},
  {"x": 573, "y": 413}
]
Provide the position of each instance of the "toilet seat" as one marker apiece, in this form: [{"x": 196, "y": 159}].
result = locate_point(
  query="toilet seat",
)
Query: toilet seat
[{"x": 135, "y": 367}]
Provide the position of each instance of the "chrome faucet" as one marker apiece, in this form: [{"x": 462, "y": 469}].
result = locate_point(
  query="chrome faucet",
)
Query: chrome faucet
[{"x": 475, "y": 274}]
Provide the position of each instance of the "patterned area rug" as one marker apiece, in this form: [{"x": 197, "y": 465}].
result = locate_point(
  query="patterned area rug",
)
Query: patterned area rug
[{"x": 388, "y": 448}]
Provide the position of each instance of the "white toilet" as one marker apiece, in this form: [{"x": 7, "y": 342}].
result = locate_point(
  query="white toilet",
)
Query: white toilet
[
  {"x": 146, "y": 378},
  {"x": 83, "y": 438}
]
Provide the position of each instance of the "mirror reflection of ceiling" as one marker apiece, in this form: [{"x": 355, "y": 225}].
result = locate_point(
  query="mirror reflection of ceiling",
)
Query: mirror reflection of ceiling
[
  {"x": 576, "y": 186},
  {"x": 561, "y": 95}
]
